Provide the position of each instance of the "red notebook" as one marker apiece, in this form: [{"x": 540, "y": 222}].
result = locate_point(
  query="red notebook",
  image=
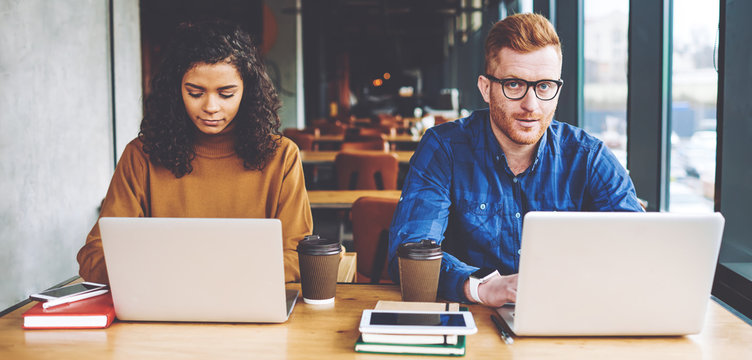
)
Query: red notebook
[{"x": 92, "y": 313}]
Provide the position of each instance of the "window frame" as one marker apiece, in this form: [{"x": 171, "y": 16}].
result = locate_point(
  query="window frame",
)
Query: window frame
[
  {"x": 649, "y": 110},
  {"x": 732, "y": 191}
]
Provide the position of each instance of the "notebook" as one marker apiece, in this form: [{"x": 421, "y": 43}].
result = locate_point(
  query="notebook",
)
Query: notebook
[
  {"x": 602, "y": 274},
  {"x": 199, "y": 270},
  {"x": 90, "y": 313}
]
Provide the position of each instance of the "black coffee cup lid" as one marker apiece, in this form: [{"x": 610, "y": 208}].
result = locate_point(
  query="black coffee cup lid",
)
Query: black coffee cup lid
[
  {"x": 315, "y": 245},
  {"x": 423, "y": 250}
]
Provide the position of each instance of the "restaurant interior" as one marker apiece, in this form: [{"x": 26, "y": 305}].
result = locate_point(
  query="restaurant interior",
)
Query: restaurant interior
[
  {"x": 664, "y": 84},
  {"x": 368, "y": 77}
]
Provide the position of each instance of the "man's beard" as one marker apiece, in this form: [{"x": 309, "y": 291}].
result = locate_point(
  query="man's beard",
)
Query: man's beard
[{"x": 522, "y": 136}]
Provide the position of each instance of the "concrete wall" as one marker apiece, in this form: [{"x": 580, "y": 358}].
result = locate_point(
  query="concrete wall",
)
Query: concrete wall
[
  {"x": 127, "y": 66},
  {"x": 58, "y": 144},
  {"x": 56, "y": 133}
]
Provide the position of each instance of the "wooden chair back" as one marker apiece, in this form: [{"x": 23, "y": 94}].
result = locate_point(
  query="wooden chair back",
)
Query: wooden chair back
[
  {"x": 371, "y": 218},
  {"x": 304, "y": 140},
  {"x": 366, "y": 170}
]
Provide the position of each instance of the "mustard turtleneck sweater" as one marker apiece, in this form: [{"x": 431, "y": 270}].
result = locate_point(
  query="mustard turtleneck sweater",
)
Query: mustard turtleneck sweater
[{"x": 218, "y": 187}]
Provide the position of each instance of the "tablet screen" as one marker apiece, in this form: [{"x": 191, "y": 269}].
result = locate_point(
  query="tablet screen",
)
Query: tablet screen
[{"x": 416, "y": 319}]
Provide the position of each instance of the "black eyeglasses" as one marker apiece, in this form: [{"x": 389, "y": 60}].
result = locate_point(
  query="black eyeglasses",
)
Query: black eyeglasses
[{"x": 515, "y": 89}]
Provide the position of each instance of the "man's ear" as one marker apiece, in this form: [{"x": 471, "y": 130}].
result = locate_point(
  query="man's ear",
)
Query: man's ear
[{"x": 484, "y": 86}]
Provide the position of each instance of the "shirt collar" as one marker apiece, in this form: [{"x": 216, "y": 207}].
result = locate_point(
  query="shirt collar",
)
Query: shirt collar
[
  {"x": 492, "y": 145},
  {"x": 541, "y": 149}
]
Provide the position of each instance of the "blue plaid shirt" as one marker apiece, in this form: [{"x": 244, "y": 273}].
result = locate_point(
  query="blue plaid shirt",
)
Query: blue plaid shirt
[{"x": 460, "y": 186}]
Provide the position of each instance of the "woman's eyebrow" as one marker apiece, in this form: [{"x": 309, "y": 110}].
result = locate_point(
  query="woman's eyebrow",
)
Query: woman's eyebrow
[
  {"x": 227, "y": 87},
  {"x": 195, "y": 86}
]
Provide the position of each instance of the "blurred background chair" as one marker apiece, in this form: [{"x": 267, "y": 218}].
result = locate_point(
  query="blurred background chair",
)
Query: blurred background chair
[
  {"x": 326, "y": 127},
  {"x": 363, "y": 170},
  {"x": 438, "y": 120},
  {"x": 364, "y": 139},
  {"x": 366, "y": 170},
  {"x": 305, "y": 141},
  {"x": 376, "y": 144},
  {"x": 364, "y": 131},
  {"x": 371, "y": 218}
]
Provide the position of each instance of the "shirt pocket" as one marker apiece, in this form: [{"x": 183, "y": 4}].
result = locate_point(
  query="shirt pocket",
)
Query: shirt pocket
[{"x": 481, "y": 222}]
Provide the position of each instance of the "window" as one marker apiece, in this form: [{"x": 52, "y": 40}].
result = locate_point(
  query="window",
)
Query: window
[
  {"x": 605, "y": 89},
  {"x": 693, "y": 106}
]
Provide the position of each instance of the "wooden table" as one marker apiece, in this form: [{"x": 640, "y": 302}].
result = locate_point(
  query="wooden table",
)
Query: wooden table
[
  {"x": 315, "y": 332},
  {"x": 398, "y": 138},
  {"x": 327, "y": 157},
  {"x": 343, "y": 199}
]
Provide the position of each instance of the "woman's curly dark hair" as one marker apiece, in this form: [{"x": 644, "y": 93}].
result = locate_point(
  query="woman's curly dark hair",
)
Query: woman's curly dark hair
[{"x": 169, "y": 134}]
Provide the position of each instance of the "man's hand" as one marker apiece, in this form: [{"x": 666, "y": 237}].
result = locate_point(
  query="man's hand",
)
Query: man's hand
[{"x": 497, "y": 291}]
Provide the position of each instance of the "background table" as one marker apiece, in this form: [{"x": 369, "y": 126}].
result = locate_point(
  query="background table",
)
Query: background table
[
  {"x": 315, "y": 332},
  {"x": 343, "y": 199},
  {"x": 399, "y": 138},
  {"x": 311, "y": 157}
]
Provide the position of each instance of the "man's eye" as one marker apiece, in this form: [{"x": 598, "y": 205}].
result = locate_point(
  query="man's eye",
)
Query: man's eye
[
  {"x": 513, "y": 84},
  {"x": 544, "y": 86}
]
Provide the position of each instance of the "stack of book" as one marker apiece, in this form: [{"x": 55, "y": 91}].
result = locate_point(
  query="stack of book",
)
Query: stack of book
[{"x": 451, "y": 345}]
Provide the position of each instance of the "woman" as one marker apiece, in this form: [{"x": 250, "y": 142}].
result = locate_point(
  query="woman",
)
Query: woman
[{"x": 209, "y": 146}]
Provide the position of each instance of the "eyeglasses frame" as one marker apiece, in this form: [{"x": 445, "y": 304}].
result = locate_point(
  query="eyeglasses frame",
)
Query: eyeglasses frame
[{"x": 533, "y": 84}]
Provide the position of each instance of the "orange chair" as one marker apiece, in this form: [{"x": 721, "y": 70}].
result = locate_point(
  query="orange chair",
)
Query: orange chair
[
  {"x": 330, "y": 128},
  {"x": 366, "y": 170},
  {"x": 303, "y": 140},
  {"x": 388, "y": 130},
  {"x": 438, "y": 120},
  {"x": 358, "y": 139},
  {"x": 366, "y": 131},
  {"x": 371, "y": 218}
]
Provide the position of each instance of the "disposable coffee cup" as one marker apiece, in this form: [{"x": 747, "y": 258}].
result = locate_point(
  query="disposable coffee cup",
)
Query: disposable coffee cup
[
  {"x": 319, "y": 262},
  {"x": 419, "y": 266}
]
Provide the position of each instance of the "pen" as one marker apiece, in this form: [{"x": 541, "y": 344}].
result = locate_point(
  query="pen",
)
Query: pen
[
  {"x": 504, "y": 335},
  {"x": 70, "y": 299}
]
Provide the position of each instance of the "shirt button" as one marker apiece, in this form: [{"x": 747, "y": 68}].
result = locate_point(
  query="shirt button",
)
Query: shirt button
[
  {"x": 519, "y": 251},
  {"x": 515, "y": 180},
  {"x": 517, "y": 215},
  {"x": 483, "y": 206},
  {"x": 400, "y": 198}
]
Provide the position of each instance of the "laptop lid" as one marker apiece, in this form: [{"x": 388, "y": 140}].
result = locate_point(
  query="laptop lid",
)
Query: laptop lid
[
  {"x": 202, "y": 270},
  {"x": 588, "y": 273}
]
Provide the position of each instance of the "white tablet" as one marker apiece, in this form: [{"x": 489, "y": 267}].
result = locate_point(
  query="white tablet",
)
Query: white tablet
[{"x": 417, "y": 322}]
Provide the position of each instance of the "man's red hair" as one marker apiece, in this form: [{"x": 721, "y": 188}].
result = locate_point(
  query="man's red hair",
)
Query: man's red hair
[{"x": 520, "y": 32}]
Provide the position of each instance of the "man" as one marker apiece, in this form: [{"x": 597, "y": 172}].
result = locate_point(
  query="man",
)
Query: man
[{"x": 479, "y": 175}]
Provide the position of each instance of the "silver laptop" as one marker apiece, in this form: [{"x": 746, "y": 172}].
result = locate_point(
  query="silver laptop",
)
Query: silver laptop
[
  {"x": 601, "y": 274},
  {"x": 200, "y": 270}
]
